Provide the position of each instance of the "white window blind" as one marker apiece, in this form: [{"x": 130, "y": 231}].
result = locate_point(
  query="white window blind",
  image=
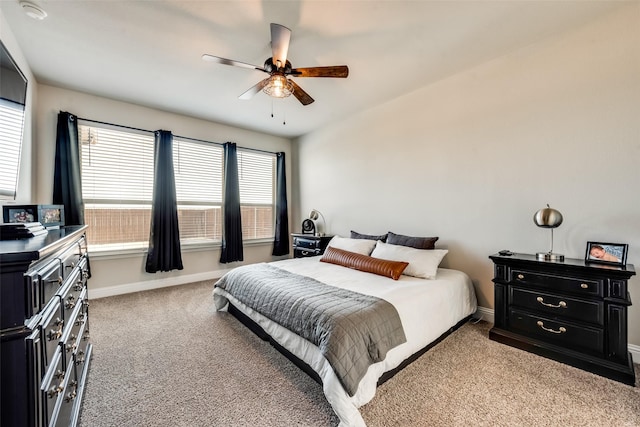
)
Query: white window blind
[
  {"x": 256, "y": 177},
  {"x": 198, "y": 172},
  {"x": 117, "y": 185},
  {"x": 11, "y": 122},
  {"x": 116, "y": 165},
  {"x": 255, "y": 172}
]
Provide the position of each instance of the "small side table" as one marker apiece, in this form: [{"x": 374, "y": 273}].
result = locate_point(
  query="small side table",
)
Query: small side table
[{"x": 306, "y": 245}]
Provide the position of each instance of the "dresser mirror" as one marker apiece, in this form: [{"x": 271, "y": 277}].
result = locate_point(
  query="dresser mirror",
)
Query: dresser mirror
[{"x": 13, "y": 94}]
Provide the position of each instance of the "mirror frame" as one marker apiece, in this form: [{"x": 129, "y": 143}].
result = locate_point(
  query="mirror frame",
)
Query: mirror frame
[{"x": 7, "y": 61}]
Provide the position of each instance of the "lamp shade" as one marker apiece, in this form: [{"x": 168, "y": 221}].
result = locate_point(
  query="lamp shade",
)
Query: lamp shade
[{"x": 547, "y": 218}]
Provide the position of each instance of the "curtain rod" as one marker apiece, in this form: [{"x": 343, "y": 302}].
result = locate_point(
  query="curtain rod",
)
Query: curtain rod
[{"x": 175, "y": 136}]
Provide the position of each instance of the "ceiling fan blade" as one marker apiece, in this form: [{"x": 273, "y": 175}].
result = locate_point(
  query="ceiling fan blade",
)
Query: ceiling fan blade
[
  {"x": 332, "y": 71},
  {"x": 280, "y": 37},
  {"x": 254, "y": 89},
  {"x": 218, "y": 60},
  {"x": 302, "y": 96}
]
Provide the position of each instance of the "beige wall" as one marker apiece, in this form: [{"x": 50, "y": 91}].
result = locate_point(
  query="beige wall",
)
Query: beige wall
[
  {"x": 471, "y": 158},
  {"x": 113, "y": 271},
  {"x": 25, "y": 182}
]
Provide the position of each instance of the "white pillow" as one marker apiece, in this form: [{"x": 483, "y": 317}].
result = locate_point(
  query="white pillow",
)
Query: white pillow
[
  {"x": 423, "y": 263},
  {"x": 359, "y": 246}
]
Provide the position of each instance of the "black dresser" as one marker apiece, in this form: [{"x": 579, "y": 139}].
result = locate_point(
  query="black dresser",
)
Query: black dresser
[
  {"x": 571, "y": 311},
  {"x": 45, "y": 349},
  {"x": 306, "y": 245}
]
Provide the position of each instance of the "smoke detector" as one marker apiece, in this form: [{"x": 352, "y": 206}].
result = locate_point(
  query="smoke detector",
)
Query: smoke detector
[{"x": 33, "y": 11}]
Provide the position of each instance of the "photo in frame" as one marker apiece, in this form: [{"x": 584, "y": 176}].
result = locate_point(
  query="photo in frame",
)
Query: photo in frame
[
  {"x": 607, "y": 253},
  {"x": 50, "y": 216},
  {"x": 20, "y": 213}
]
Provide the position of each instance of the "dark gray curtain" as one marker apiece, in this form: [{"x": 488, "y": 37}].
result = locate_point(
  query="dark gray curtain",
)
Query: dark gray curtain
[
  {"x": 67, "y": 184},
  {"x": 281, "y": 240},
  {"x": 164, "y": 238},
  {"x": 232, "y": 223}
]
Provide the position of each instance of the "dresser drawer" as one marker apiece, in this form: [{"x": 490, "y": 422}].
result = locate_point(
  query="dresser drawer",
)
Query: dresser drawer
[
  {"x": 52, "y": 327},
  {"x": 574, "y": 285},
  {"x": 558, "y": 305},
  {"x": 50, "y": 278},
  {"x": 564, "y": 334},
  {"x": 303, "y": 243},
  {"x": 69, "y": 259},
  {"x": 71, "y": 291},
  {"x": 72, "y": 334},
  {"x": 52, "y": 388},
  {"x": 80, "y": 357}
]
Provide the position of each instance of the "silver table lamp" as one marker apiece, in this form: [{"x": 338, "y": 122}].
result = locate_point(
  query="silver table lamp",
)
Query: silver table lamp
[
  {"x": 314, "y": 215},
  {"x": 548, "y": 218}
]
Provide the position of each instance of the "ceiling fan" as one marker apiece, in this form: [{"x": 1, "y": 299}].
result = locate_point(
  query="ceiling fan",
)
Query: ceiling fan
[{"x": 279, "y": 68}]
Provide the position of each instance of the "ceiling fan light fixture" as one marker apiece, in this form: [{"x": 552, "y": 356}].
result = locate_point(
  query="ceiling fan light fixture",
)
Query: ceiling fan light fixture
[{"x": 278, "y": 86}]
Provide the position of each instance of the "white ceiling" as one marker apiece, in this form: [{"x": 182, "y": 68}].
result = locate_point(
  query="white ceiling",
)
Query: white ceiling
[{"x": 149, "y": 52}]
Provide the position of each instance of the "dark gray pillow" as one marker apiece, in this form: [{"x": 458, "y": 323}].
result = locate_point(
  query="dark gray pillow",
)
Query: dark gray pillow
[
  {"x": 412, "y": 242},
  {"x": 356, "y": 235}
]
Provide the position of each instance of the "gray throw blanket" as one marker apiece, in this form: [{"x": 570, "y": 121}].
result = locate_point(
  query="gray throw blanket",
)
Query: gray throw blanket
[{"x": 352, "y": 330}]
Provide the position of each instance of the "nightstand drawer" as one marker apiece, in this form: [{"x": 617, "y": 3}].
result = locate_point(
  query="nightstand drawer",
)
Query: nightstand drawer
[
  {"x": 558, "y": 305},
  {"x": 564, "y": 334},
  {"x": 302, "y": 243},
  {"x": 303, "y": 253},
  {"x": 574, "y": 285}
]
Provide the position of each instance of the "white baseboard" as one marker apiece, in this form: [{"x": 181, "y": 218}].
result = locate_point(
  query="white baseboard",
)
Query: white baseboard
[
  {"x": 487, "y": 315},
  {"x": 635, "y": 352},
  {"x": 147, "y": 285},
  {"x": 484, "y": 313}
]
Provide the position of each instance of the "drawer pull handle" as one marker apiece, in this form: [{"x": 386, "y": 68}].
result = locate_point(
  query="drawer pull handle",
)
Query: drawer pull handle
[
  {"x": 58, "y": 280},
  {"x": 70, "y": 303},
  {"x": 561, "y": 330},
  {"x": 584, "y": 286},
  {"x": 55, "y": 390},
  {"x": 305, "y": 253},
  {"x": 561, "y": 304},
  {"x": 72, "y": 395},
  {"x": 520, "y": 276}
]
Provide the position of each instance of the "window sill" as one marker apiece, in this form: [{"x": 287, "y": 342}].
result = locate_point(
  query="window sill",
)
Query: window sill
[{"x": 133, "y": 252}]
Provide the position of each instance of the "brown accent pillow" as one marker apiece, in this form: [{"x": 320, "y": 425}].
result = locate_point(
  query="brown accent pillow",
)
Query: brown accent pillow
[
  {"x": 381, "y": 267},
  {"x": 412, "y": 242}
]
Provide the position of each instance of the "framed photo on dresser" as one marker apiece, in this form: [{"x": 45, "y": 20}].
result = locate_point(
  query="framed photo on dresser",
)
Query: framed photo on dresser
[
  {"x": 50, "y": 216},
  {"x": 607, "y": 253}
]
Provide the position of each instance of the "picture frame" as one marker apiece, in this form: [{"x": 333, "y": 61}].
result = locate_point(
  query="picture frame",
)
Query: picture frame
[
  {"x": 16, "y": 214},
  {"x": 607, "y": 253},
  {"x": 50, "y": 216}
]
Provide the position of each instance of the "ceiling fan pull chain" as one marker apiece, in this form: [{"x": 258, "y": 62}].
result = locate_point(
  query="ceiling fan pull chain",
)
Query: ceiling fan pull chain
[{"x": 271, "y": 107}]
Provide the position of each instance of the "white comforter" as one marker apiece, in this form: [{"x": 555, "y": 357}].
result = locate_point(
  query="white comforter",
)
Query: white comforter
[{"x": 427, "y": 309}]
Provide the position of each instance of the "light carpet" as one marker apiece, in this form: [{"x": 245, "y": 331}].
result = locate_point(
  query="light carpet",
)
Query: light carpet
[{"x": 167, "y": 358}]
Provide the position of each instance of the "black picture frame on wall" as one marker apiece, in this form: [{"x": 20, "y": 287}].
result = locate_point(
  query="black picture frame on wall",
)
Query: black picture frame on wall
[
  {"x": 607, "y": 253},
  {"x": 50, "y": 216}
]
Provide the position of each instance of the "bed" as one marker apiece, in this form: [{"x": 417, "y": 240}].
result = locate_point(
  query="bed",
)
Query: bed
[{"x": 428, "y": 309}]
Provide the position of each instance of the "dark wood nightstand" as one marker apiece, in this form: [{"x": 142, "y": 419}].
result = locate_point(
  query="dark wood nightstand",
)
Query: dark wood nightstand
[
  {"x": 306, "y": 245},
  {"x": 571, "y": 311}
]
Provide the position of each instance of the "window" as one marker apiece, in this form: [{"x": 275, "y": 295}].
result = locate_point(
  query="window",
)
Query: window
[
  {"x": 198, "y": 171},
  {"x": 256, "y": 176},
  {"x": 11, "y": 120},
  {"x": 117, "y": 188}
]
